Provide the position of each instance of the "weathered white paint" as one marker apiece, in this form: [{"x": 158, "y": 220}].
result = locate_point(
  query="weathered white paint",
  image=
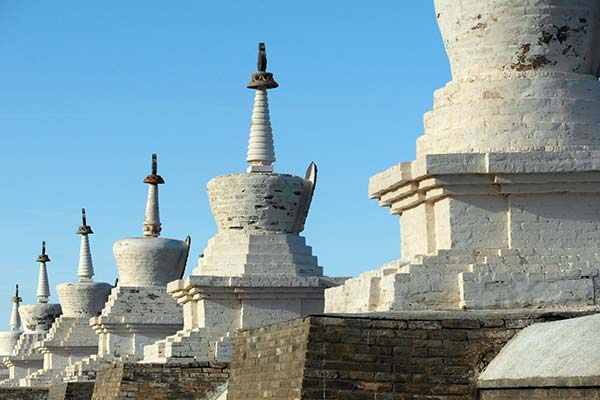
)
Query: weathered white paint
[
  {"x": 500, "y": 207},
  {"x": 261, "y": 151},
  {"x": 551, "y": 354}
]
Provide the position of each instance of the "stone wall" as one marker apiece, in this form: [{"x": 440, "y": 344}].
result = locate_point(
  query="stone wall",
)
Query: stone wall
[
  {"x": 23, "y": 394},
  {"x": 72, "y": 391},
  {"x": 374, "y": 357},
  {"x": 269, "y": 362},
  {"x": 160, "y": 381}
]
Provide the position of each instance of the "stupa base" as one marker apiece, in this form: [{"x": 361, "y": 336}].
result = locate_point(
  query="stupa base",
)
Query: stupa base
[{"x": 215, "y": 307}]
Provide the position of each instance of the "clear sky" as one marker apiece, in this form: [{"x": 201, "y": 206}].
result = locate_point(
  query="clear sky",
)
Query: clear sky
[{"x": 90, "y": 89}]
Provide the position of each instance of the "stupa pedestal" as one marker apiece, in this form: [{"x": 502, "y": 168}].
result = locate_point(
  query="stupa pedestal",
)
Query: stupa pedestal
[
  {"x": 501, "y": 207},
  {"x": 71, "y": 337},
  {"x": 257, "y": 270},
  {"x": 139, "y": 311}
]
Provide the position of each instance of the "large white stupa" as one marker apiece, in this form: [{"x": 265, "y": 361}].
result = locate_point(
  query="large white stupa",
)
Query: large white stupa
[
  {"x": 257, "y": 269},
  {"x": 501, "y": 207}
]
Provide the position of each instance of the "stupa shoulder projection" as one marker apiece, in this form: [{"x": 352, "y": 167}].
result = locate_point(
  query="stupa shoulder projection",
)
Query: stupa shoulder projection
[
  {"x": 139, "y": 311},
  {"x": 9, "y": 339},
  {"x": 37, "y": 320},
  {"x": 71, "y": 338},
  {"x": 501, "y": 207},
  {"x": 257, "y": 269}
]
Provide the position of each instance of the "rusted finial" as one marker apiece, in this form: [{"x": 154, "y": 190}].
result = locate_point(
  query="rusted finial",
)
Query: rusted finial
[
  {"x": 16, "y": 298},
  {"x": 43, "y": 258},
  {"x": 84, "y": 229},
  {"x": 262, "y": 79},
  {"x": 154, "y": 178}
]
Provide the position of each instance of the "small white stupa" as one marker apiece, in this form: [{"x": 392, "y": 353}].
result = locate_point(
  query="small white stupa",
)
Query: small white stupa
[
  {"x": 139, "y": 311},
  {"x": 257, "y": 270},
  {"x": 71, "y": 338},
  {"x": 37, "y": 319},
  {"x": 8, "y": 339}
]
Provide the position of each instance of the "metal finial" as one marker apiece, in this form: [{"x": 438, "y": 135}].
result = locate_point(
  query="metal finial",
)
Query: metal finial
[
  {"x": 262, "y": 58},
  {"x": 16, "y": 298},
  {"x": 84, "y": 229},
  {"x": 43, "y": 258},
  {"x": 154, "y": 178},
  {"x": 154, "y": 164},
  {"x": 262, "y": 80}
]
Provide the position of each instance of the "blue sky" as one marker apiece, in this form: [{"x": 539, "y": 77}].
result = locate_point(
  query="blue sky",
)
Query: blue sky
[{"x": 90, "y": 89}]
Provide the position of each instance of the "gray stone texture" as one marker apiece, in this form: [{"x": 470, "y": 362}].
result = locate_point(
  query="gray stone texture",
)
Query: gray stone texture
[{"x": 554, "y": 354}]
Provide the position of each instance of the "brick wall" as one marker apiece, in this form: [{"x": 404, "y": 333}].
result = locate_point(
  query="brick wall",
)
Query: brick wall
[
  {"x": 72, "y": 391},
  {"x": 269, "y": 362},
  {"x": 159, "y": 381},
  {"x": 377, "y": 357},
  {"x": 23, "y": 394}
]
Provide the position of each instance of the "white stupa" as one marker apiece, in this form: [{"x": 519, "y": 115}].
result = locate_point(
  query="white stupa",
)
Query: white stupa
[
  {"x": 71, "y": 338},
  {"x": 139, "y": 311},
  {"x": 8, "y": 339},
  {"x": 37, "y": 319},
  {"x": 501, "y": 208},
  {"x": 257, "y": 269}
]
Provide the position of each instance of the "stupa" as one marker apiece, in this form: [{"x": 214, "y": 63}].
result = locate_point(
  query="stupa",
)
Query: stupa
[
  {"x": 257, "y": 269},
  {"x": 37, "y": 319},
  {"x": 9, "y": 339},
  {"x": 71, "y": 338},
  {"x": 139, "y": 311},
  {"x": 501, "y": 207}
]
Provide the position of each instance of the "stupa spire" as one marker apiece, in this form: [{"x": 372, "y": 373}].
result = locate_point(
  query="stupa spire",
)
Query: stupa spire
[
  {"x": 43, "y": 290},
  {"x": 15, "y": 318},
  {"x": 152, "y": 226},
  {"x": 85, "y": 270},
  {"x": 261, "y": 151}
]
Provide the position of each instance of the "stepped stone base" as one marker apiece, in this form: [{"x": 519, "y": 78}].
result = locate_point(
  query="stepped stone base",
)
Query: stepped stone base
[
  {"x": 134, "y": 317},
  {"x": 204, "y": 381},
  {"x": 69, "y": 340},
  {"x": 215, "y": 307},
  {"x": 429, "y": 354},
  {"x": 25, "y": 359},
  {"x": 239, "y": 253},
  {"x": 87, "y": 369},
  {"x": 475, "y": 279},
  {"x": 486, "y": 230}
]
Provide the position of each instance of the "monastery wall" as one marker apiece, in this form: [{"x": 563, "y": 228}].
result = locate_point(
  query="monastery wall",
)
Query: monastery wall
[
  {"x": 7, "y": 393},
  {"x": 374, "y": 357},
  {"x": 160, "y": 381}
]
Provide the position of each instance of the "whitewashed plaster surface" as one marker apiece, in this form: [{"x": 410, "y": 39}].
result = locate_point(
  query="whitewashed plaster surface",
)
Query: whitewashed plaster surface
[{"x": 501, "y": 206}]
